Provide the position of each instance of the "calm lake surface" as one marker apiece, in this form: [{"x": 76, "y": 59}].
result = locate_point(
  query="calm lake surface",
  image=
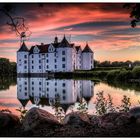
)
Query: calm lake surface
[{"x": 42, "y": 92}]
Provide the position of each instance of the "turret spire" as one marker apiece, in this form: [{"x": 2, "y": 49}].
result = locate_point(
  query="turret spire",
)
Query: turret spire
[{"x": 23, "y": 48}]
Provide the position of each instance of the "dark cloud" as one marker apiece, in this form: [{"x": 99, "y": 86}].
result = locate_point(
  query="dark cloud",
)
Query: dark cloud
[{"x": 94, "y": 25}]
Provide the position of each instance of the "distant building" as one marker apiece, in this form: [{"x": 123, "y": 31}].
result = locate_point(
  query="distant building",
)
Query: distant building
[{"x": 56, "y": 57}]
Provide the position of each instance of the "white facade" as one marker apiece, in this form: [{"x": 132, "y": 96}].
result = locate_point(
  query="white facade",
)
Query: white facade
[{"x": 55, "y": 57}]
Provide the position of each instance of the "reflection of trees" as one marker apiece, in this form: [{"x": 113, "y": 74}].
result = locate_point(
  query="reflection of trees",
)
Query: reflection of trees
[
  {"x": 125, "y": 85},
  {"x": 6, "y": 82}
]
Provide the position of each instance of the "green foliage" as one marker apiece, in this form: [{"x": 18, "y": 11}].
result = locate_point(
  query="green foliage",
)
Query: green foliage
[
  {"x": 101, "y": 104},
  {"x": 59, "y": 112},
  {"x": 104, "y": 106},
  {"x": 110, "y": 106},
  {"x": 126, "y": 104},
  {"x": 5, "y": 82},
  {"x": 7, "y": 68},
  {"x": 112, "y": 75},
  {"x": 124, "y": 75},
  {"x": 23, "y": 112},
  {"x": 82, "y": 106},
  {"x": 136, "y": 72}
]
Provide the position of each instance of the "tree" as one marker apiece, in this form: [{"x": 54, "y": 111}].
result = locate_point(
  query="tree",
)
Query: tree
[
  {"x": 16, "y": 23},
  {"x": 134, "y": 12}
]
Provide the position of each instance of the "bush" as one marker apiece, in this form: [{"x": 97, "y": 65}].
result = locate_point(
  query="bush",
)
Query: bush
[
  {"x": 124, "y": 75},
  {"x": 111, "y": 76},
  {"x": 136, "y": 72}
]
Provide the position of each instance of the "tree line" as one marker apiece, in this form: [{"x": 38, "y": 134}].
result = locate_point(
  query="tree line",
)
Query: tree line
[
  {"x": 7, "y": 68},
  {"x": 116, "y": 63}
]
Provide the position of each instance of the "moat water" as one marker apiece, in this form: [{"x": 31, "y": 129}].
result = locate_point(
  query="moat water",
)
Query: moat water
[{"x": 42, "y": 92}]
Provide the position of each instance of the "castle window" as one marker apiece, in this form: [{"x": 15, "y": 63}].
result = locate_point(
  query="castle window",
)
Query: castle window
[
  {"x": 63, "y": 59},
  {"x": 64, "y": 84},
  {"x": 32, "y": 88},
  {"x": 39, "y": 67},
  {"x": 25, "y": 67},
  {"x": 39, "y": 83},
  {"x": 25, "y": 61},
  {"x": 55, "y": 66},
  {"x": 32, "y": 67},
  {"x": 55, "y": 60},
  {"x": 25, "y": 93},
  {"x": 40, "y": 89},
  {"x": 32, "y": 56},
  {"x": 47, "y": 60},
  {"x": 55, "y": 83},
  {"x": 63, "y": 65},
  {"x": 25, "y": 83},
  {"x": 39, "y": 61},
  {"x": 47, "y": 89},
  {"x": 64, "y": 91},
  {"x": 64, "y": 98},
  {"x": 32, "y": 83},
  {"x": 47, "y": 66},
  {"x": 25, "y": 88},
  {"x": 55, "y": 89},
  {"x": 32, "y": 61},
  {"x": 25, "y": 56},
  {"x": 63, "y": 52},
  {"x": 47, "y": 83},
  {"x": 46, "y": 55}
]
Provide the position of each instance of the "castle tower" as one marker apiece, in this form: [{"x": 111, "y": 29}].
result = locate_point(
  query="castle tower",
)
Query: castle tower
[
  {"x": 23, "y": 91},
  {"x": 23, "y": 59},
  {"x": 65, "y": 59},
  {"x": 87, "y": 58}
]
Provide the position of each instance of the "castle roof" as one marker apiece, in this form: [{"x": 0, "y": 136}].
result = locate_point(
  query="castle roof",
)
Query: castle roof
[
  {"x": 43, "y": 48},
  {"x": 78, "y": 48},
  {"x": 23, "y": 102},
  {"x": 23, "y": 48},
  {"x": 64, "y": 43},
  {"x": 87, "y": 49}
]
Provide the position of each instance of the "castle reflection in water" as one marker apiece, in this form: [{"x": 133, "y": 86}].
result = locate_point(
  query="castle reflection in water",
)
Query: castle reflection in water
[{"x": 43, "y": 91}]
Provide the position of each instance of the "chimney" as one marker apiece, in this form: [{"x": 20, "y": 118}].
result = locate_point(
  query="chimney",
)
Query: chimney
[{"x": 56, "y": 40}]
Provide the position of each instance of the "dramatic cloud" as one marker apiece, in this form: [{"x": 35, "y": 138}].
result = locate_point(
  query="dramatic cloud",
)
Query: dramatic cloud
[{"x": 106, "y": 27}]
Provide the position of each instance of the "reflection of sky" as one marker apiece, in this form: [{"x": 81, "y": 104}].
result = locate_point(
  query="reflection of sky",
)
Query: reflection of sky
[
  {"x": 106, "y": 27},
  {"x": 8, "y": 98}
]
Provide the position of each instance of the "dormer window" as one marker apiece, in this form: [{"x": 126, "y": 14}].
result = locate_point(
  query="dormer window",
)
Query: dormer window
[
  {"x": 51, "y": 48},
  {"x": 36, "y": 50}
]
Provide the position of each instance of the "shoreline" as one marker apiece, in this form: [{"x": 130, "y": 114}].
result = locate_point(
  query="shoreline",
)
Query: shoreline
[{"x": 38, "y": 122}]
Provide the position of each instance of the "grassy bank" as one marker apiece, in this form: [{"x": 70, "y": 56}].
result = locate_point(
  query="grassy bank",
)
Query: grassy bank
[{"x": 108, "y": 74}]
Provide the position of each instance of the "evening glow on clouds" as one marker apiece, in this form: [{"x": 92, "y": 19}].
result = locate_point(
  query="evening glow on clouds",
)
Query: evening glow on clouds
[{"x": 106, "y": 27}]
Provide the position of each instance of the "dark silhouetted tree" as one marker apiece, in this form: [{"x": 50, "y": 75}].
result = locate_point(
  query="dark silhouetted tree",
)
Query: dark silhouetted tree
[{"x": 134, "y": 12}]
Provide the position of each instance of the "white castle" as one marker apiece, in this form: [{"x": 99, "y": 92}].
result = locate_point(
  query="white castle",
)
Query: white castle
[{"x": 55, "y": 57}]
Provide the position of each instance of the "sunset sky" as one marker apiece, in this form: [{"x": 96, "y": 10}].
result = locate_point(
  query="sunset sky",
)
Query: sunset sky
[{"x": 106, "y": 28}]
